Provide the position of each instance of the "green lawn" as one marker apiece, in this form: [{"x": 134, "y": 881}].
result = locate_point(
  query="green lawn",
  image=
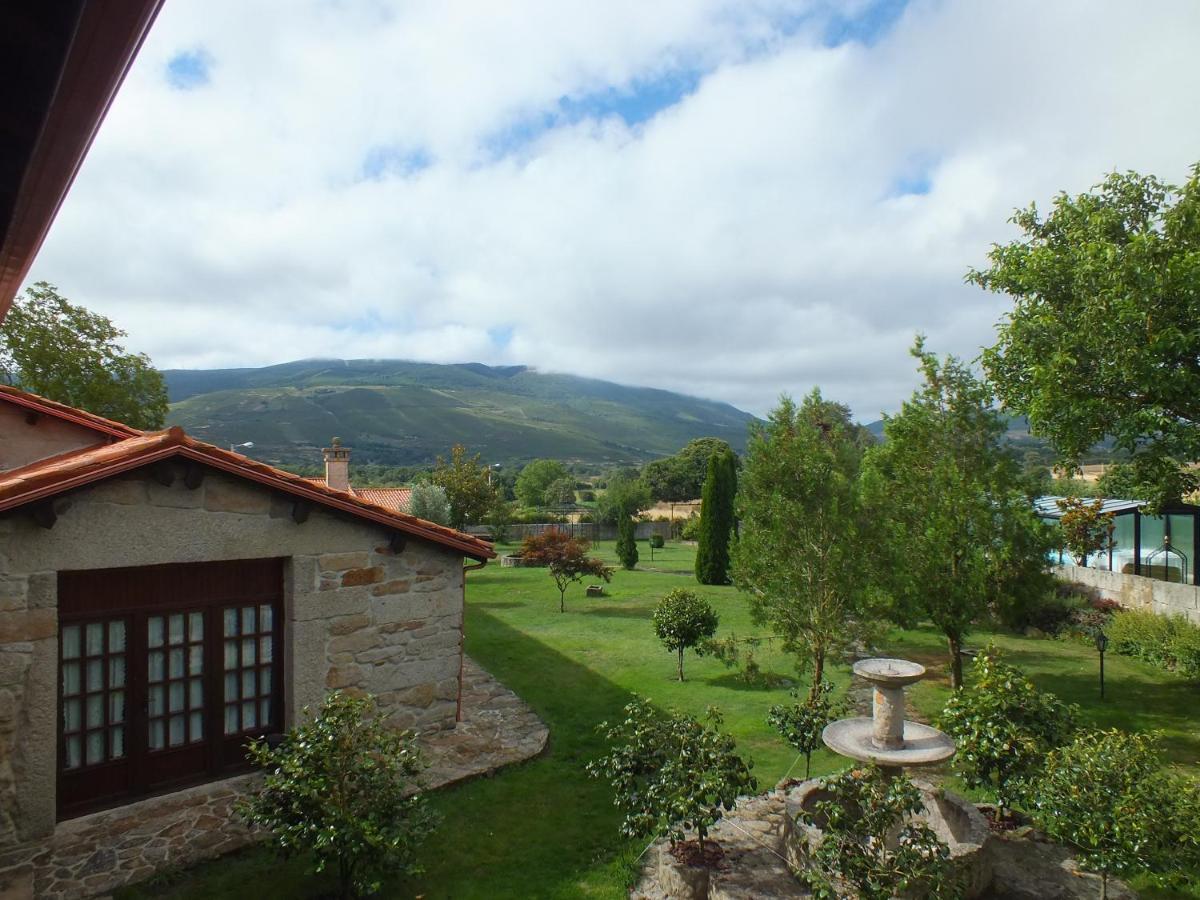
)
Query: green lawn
[{"x": 543, "y": 829}]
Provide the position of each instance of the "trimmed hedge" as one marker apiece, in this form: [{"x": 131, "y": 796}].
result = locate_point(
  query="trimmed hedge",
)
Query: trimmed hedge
[{"x": 1170, "y": 642}]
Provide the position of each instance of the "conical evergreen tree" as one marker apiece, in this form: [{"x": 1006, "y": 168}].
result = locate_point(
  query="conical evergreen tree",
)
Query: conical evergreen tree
[
  {"x": 627, "y": 551},
  {"x": 716, "y": 519}
]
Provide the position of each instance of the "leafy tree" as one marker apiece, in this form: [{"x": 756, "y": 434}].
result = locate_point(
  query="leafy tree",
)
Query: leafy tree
[
  {"x": 625, "y": 496},
  {"x": 428, "y": 501},
  {"x": 532, "y": 484},
  {"x": 802, "y": 722},
  {"x": 951, "y": 519},
  {"x": 668, "y": 481},
  {"x": 672, "y": 772},
  {"x": 627, "y": 551},
  {"x": 800, "y": 557},
  {"x": 682, "y": 619},
  {"x": 561, "y": 491},
  {"x": 870, "y": 842},
  {"x": 716, "y": 519},
  {"x": 1102, "y": 339},
  {"x": 499, "y": 518},
  {"x": 339, "y": 789},
  {"x": 1119, "y": 482},
  {"x": 566, "y": 557},
  {"x": 467, "y": 485},
  {"x": 1107, "y": 796},
  {"x": 1084, "y": 528},
  {"x": 1004, "y": 727},
  {"x": 64, "y": 352}
]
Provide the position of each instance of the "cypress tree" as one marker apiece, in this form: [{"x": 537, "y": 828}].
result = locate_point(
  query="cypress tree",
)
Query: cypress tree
[
  {"x": 627, "y": 551},
  {"x": 716, "y": 519}
]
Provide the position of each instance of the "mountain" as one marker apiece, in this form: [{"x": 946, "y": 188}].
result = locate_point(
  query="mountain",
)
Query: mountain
[{"x": 395, "y": 412}]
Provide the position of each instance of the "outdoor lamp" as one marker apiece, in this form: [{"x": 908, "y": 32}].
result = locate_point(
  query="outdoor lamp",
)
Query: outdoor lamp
[{"x": 1101, "y": 645}]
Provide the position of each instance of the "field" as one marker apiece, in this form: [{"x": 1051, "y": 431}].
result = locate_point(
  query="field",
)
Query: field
[{"x": 543, "y": 829}]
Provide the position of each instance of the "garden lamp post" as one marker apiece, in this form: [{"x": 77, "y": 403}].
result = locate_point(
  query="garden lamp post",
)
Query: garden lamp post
[{"x": 1101, "y": 645}]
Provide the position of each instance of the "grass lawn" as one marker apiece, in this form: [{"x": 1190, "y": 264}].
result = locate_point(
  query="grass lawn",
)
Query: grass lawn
[{"x": 543, "y": 829}]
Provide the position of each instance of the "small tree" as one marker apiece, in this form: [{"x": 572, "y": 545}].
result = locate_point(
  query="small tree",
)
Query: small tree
[
  {"x": 339, "y": 789},
  {"x": 428, "y": 501},
  {"x": 532, "y": 484},
  {"x": 802, "y": 722},
  {"x": 868, "y": 844},
  {"x": 566, "y": 557},
  {"x": 1004, "y": 727},
  {"x": 672, "y": 772},
  {"x": 1085, "y": 529},
  {"x": 500, "y": 520},
  {"x": 625, "y": 495},
  {"x": 467, "y": 484},
  {"x": 1107, "y": 796},
  {"x": 627, "y": 551},
  {"x": 716, "y": 519},
  {"x": 683, "y": 620}
]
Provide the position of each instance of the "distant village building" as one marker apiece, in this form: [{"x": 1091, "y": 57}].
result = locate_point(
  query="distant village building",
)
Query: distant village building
[
  {"x": 163, "y": 601},
  {"x": 337, "y": 476}
]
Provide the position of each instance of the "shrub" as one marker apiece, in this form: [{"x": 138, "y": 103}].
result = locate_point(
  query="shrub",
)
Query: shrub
[
  {"x": 338, "y": 789},
  {"x": 802, "y": 722},
  {"x": 683, "y": 620},
  {"x": 656, "y": 541},
  {"x": 1170, "y": 642},
  {"x": 1004, "y": 726},
  {"x": 627, "y": 551},
  {"x": 868, "y": 844},
  {"x": 588, "y": 496},
  {"x": 690, "y": 531},
  {"x": 672, "y": 772}
]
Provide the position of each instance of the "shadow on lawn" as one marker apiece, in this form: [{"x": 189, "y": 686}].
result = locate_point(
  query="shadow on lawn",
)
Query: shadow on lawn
[
  {"x": 620, "y": 612},
  {"x": 498, "y": 604}
]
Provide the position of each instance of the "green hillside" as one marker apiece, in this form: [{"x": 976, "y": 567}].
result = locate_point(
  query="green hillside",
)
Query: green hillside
[{"x": 403, "y": 413}]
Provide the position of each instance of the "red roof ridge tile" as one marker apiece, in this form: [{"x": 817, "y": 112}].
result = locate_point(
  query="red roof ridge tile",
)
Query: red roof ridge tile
[{"x": 82, "y": 417}]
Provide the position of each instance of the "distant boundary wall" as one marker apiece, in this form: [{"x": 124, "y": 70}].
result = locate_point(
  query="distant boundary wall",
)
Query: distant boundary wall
[
  {"x": 1138, "y": 592},
  {"x": 590, "y": 530}
]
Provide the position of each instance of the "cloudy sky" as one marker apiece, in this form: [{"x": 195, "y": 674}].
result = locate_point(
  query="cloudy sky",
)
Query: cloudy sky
[{"x": 726, "y": 198}]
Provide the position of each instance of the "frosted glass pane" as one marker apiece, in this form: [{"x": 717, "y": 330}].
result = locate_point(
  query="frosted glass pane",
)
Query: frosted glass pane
[
  {"x": 95, "y": 747},
  {"x": 265, "y": 617},
  {"x": 116, "y": 672},
  {"x": 116, "y": 636},
  {"x": 175, "y": 697},
  {"x": 177, "y": 731},
  {"x": 231, "y": 686},
  {"x": 196, "y": 726},
  {"x": 196, "y": 627},
  {"x": 95, "y": 710},
  {"x": 155, "y": 666},
  {"x": 248, "y": 620},
  {"x": 264, "y": 712},
  {"x": 231, "y": 659},
  {"x": 195, "y": 693},
  {"x": 155, "y": 627},
  {"x": 116, "y": 706},
  {"x": 74, "y": 746},
  {"x": 176, "y": 667},
  {"x": 95, "y": 639},
  {"x": 230, "y": 622},
  {"x": 176, "y": 629},
  {"x": 248, "y": 683},
  {"x": 71, "y": 678},
  {"x": 249, "y": 715},
  {"x": 71, "y": 715},
  {"x": 265, "y": 649},
  {"x": 158, "y": 738},
  {"x": 264, "y": 680},
  {"x": 248, "y": 651},
  {"x": 156, "y": 698},
  {"x": 195, "y": 660},
  {"x": 70, "y": 642},
  {"x": 116, "y": 740},
  {"x": 95, "y": 675},
  {"x": 231, "y": 719}
]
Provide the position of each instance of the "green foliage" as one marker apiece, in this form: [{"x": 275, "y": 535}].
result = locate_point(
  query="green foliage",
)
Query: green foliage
[
  {"x": 339, "y": 788},
  {"x": 61, "y": 351},
  {"x": 1107, "y": 796},
  {"x": 1171, "y": 642},
  {"x": 1004, "y": 727},
  {"x": 691, "y": 528},
  {"x": 800, "y": 558},
  {"x": 802, "y": 721},
  {"x": 624, "y": 497},
  {"x": 683, "y": 620},
  {"x": 428, "y": 501},
  {"x": 870, "y": 848},
  {"x": 1120, "y": 481},
  {"x": 561, "y": 492},
  {"x": 499, "y": 519},
  {"x": 1102, "y": 339},
  {"x": 956, "y": 531},
  {"x": 467, "y": 485},
  {"x": 566, "y": 557},
  {"x": 532, "y": 485},
  {"x": 716, "y": 519},
  {"x": 1084, "y": 529},
  {"x": 627, "y": 551},
  {"x": 677, "y": 478},
  {"x": 657, "y": 541},
  {"x": 671, "y": 772}
]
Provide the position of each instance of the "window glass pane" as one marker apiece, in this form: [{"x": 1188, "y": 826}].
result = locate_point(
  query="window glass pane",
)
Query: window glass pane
[
  {"x": 248, "y": 654},
  {"x": 116, "y": 706},
  {"x": 196, "y": 726},
  {"x": 155, "y": 665},
  {"x": 155, "y": 700},
  {"x": 116, "y": 636},
  {"x": 71, "y": 678},
  {"x": 196, "y": 627},
  {"x": 73, "y": 748},
  {"x": 248, "y": 620},
  {"x": 95, "y": 747},
  {"x": 176, "y": 629},
  {"x": 264, "y": 712},
  {"x": 249, "y": 715},
  {"x": 70, "y": 642},
  {"x": 175, "y": 697},
  {"x": 116, "y": 741},
  {"x": 176, "y": 668},
  {"x": 116, "y": 672},
  {"x": 1183, "y": 535},
  {"x": 248, "y": 683},
  {"x": 231, "y": 658},
  {"x": 264, "y": 649},
  {"x": 230, "y": 622},
  {"x": 71, "y": 715},
  {"x": 265, "y": 617},
  {"x": 154, "y": 634},
  {"x": 195, "y": 660},
  {"x": 1123, "y": 544},
  {"x": 176, "y": 731},
  {"x": 95, "y": 710},
  {"x": 264, "y": 680},
  {"x": 231, "y": 719},
  {"x": 95, "y": 674},
  {"x": 157, "y": 735},
  {"x": 1152, "y": 538},
  {"x": 195, "y": 693},
  {"x": 95, "y": 639},
  {"x": 231, "y": 686}
]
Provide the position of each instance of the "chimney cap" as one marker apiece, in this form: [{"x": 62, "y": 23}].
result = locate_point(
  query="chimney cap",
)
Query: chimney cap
[{"x": 336, "y": 442}]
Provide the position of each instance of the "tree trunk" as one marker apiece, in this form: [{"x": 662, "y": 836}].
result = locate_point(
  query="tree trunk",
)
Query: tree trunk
[
  {"x": 1103, "y": 886},
  {"x": 681, "y": 664},
  {"x": 956, "y": 666},
  {"x": 807, "y": 765},
  {"x": 818, "y": 674},
  {"x": 562, "y": 600}
]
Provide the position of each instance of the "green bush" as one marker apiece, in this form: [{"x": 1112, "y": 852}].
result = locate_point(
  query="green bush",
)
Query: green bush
[
  {"x": 682, "y": 619},
  {"x": 1170, "y": 642},
  {"x": 802, "y": 722},
  {"x": 691, "y": 528},
  {"x": 627, "y": 551},
  {"x": 656, "y": 541}
]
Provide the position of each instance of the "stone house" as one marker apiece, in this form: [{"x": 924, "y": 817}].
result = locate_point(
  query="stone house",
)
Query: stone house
[{"x": 162, "y": 601}]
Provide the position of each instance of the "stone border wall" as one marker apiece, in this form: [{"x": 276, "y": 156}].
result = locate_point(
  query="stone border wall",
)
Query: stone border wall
[{"x": 1137, "y": 592}]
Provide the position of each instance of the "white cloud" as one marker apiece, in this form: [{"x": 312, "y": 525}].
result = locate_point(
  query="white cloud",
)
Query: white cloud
[{"x": 751, "y": 239}]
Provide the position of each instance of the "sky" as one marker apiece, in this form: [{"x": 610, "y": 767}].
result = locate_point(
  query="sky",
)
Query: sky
[{"x": 729, "y": 198}]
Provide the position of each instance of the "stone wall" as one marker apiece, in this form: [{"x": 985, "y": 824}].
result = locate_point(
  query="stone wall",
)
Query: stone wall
[
  {"x": 1138, "y": 592},
  {"x": 358, "y": 614}
]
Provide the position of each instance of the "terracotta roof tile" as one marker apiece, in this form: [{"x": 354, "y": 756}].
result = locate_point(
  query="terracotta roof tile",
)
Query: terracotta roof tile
[{"x": 393, "y": 498}]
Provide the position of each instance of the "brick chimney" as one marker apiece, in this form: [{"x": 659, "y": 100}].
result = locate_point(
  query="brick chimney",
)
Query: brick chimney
[{"x": 337, "y": 465}]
